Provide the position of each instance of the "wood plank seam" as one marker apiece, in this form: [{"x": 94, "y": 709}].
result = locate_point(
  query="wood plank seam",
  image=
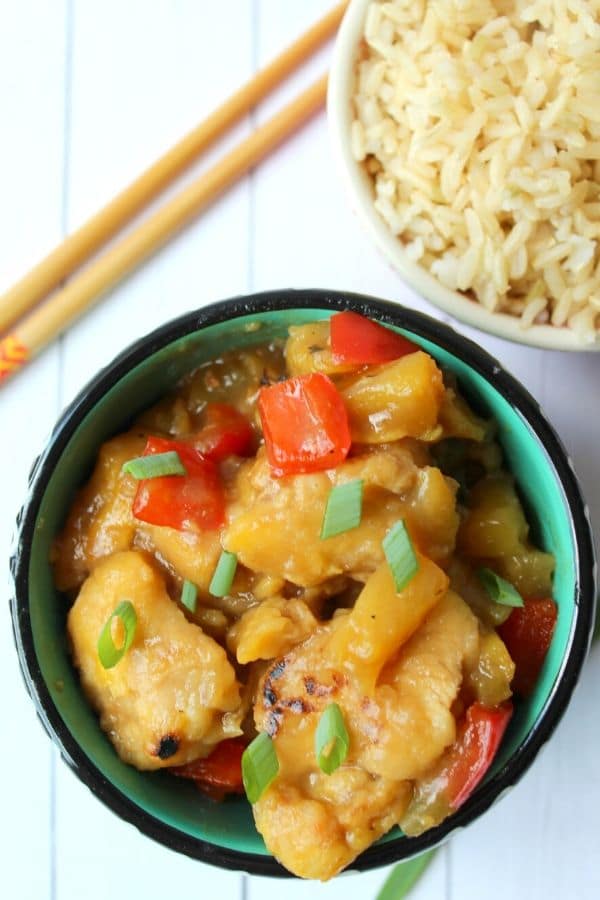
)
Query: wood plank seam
[{"x": 69, "y": 10}]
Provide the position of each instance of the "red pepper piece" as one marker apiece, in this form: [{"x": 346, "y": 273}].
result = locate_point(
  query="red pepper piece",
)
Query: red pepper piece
[
  {"x": 226, "y": 432},
  {"x": 356, "y": 339},
  {"x": 185, "y": 502},
  {"x": 472, "y": 754},
  {"x": 220, "y": 772},
  {"x": 527, "y": 634},
  {"x": 305, "y": 424}
]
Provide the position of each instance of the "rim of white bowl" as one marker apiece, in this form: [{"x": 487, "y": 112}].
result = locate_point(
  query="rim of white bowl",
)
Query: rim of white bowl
[{"x": 359, "y": 188}]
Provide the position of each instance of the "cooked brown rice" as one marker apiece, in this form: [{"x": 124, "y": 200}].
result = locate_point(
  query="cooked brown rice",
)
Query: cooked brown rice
[{"x": 479, "y": 123}]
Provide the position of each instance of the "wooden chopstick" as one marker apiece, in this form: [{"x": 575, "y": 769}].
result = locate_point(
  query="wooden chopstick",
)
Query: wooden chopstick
[
  {"x": 51, "y": 318},
  {"x": 94, "y": 233}
]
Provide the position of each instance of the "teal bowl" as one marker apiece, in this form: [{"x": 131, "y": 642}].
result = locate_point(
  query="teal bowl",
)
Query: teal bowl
[{"x": 170, "y": 810}]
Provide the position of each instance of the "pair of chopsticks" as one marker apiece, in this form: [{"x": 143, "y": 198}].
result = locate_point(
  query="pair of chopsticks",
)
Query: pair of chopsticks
[{"x": 34, "y": 326}]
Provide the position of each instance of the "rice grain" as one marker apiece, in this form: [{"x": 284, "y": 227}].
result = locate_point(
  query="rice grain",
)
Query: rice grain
[{"x": 479, "y": 124}]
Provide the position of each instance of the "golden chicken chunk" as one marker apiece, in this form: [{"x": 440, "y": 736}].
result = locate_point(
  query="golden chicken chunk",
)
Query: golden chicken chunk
[
  {"x": 315, "y": 823},
  {"x": 100, "y": 521},
  {"x": 276, "y": 525},
  {"x": 185, "y": 553},
  {"x": 174, "y": 694},
  {"x": 318, "y": 829}
]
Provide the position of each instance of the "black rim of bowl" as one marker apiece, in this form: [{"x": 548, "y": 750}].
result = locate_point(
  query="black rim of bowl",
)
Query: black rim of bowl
[{"x": 390, "y": 313}]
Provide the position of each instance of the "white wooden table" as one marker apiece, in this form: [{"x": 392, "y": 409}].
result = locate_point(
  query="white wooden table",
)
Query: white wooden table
[{"x": 90, "y": 92}]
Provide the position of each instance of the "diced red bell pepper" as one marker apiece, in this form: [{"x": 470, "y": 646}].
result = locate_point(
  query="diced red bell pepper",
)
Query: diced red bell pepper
[
  {"x": 356, "y": 339},
  {"x": 305, "y": 424},
  {"x": 527, "y": 634},
  {"x": 226, "y": 432},
  {"x": 474, "y": 750},
  {"x": 220, "y": 772},
  {"x": 461, "y": 768},
  {"x": 185, "y": 502}
]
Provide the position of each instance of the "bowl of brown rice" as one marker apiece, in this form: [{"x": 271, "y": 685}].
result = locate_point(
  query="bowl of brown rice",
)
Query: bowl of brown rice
[{"x": 468, "y": 132}]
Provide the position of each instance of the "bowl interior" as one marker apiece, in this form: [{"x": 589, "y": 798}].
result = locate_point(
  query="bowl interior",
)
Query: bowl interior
[{"x": 174, "y": 801}]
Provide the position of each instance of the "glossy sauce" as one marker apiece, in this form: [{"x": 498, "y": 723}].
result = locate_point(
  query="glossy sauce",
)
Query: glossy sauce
[{"x": 309, "y": 621}]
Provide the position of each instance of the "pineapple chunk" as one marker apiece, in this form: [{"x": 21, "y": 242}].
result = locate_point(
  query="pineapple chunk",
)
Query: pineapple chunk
[
  {"x": 490, "y": 679},
  {"x": 395, "y": 400},
  {"x": 270, "y": 629},
  {"x": 458, "y": 419},
  {"x": 496, "y": 529},
  {"x": 308, "y": 350},
  {"x": 383, "y": 619}
]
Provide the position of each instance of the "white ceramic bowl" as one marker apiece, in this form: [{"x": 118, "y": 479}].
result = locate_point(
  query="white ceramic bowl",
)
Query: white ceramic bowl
[{"x": 339, "y": 110}]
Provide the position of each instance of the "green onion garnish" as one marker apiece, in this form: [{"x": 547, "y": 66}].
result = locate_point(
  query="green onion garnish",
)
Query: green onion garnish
[
  {"x": 343, "y": 510},
  {"x": 189, "y": 595},
  {"x": 499, "y": 590},
  {"x": 403, "y": 876},
  {"x": 155, "y": 465},
  {"x": 259, "y": 766},
  {"x": 400, "y": 554},
  {"x": 222, "y": 580},
  {"x": 332, "y": 740},
  {"x": 108, "y": 653}
]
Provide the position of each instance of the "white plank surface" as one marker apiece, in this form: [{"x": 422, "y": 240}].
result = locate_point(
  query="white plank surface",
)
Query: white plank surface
[
  {"x": 32, "y": 106},
  {"x": 90, "y": 92}
]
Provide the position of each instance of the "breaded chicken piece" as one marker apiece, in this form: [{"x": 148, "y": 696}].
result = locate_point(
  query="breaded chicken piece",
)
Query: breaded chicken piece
[
  {"x": 275, "y": 527},
  {"x": 314, "y": 823},
  {"x": 174, "y": 694},
  {"x": 101, "y": 522}
]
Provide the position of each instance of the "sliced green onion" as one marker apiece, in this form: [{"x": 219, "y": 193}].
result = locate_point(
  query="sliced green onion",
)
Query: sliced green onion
[
  {"x": 332, "y": 740},
  {"x": 403, "y": 876},
  {"x": 108, "y": 653},
  {"x": 155, "y": 465},
  {"x": 259, "y": 766},
  {"x": 222, "y": 580},
  {"x": 344, "y": 508},
  {"x": 400, "y": 554},
  {"x": 189, "y": 595},
  {"x": 499, "y": 590}
]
